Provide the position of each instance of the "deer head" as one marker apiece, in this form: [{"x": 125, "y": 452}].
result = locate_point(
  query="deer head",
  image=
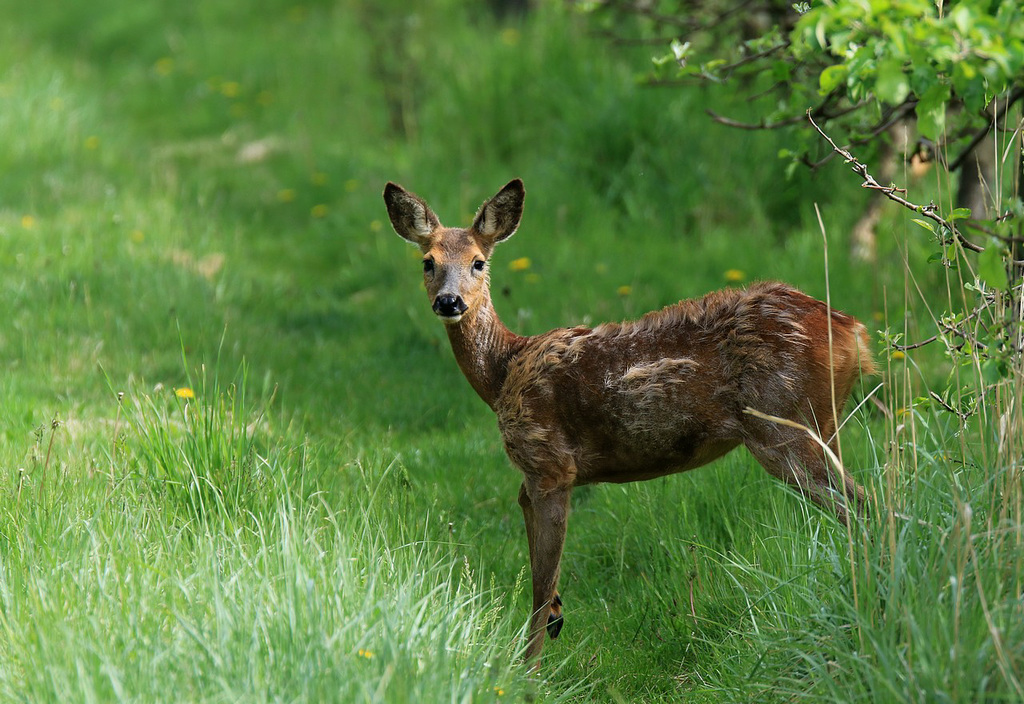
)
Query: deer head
[{"x": 455, "y": 259}]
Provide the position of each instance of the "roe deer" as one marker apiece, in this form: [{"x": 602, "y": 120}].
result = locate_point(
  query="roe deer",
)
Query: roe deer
[{"x": 636, "y": 400}]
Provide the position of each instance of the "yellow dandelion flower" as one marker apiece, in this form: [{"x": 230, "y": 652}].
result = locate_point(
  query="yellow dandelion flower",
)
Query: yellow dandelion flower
[
  {"x": 601, "y": 268},
  {"x": 92, "y": 142},
  {"x": 184, "y": 392},
  {"x": 898, "y": 354},
  {"x": 878, "y": 316},
  {"x": 510, "y": 36},
  {"x": 734, "y": 275},
  {"x": 230, "y": 89},
  {"x": 352, "y": 185},
  {"x": 318, "y": 178},
  {"x": 137, "y": 236},
  {"x": 624, "y": 290},
  {"x": 499, "y": 691},
  {"x": 286, "y": 195},
  {"x": 521, "y": 264},
  {"x": 164, "y": 66},
  {"x": 365, "y": 653},
  {"x": 319, "y": 210},
  {"x": 28, "y": 222}
]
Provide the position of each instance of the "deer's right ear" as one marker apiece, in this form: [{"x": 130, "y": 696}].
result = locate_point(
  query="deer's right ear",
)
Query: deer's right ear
[{"x": 412, "y": 218}]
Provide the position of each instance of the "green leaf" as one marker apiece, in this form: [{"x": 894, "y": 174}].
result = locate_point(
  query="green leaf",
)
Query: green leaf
[
  {"x": 993, "y": 370},
  {"x": 781, "y": 71},
  {"x": 892, "y": 85},
  {"x": 963, "y": 18},
  {"x": 990, "y": 267},
  {"x": 819, "y": 33},
  {"x": 959, "y": 214},
  {"x": 964, "y": 76},
  {"x": 931, "y": 111},
  {"x": 925, "y": 224},
  {"x": 831, "y": 78}
]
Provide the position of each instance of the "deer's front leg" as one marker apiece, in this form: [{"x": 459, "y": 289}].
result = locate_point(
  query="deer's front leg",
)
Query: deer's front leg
[{"x": 546, "y": 516}]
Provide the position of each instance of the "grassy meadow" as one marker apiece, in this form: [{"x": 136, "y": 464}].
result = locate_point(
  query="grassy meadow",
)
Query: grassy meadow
[{"x": 239, "y": 463}]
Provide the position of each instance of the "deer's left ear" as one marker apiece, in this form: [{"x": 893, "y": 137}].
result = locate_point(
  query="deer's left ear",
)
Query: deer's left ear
[{"x": 499, "y": 217}]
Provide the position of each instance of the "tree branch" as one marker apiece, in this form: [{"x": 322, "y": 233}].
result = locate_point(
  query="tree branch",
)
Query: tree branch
[
  {"x": 994, "y": 120},
  {"x": 929, "y": 211},
  {"x": 915, "y": 345},
  {"x": 938, "y": 399},
  {"x": 729, "y": 122},
  {"x": 977, "y": 226},
  {"x": 889, "y": 118},
  {"x": 821, "y": 111}
]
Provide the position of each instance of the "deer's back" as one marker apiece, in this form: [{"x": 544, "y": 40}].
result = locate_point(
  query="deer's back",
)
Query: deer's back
[{"x": 666, "y": 393}]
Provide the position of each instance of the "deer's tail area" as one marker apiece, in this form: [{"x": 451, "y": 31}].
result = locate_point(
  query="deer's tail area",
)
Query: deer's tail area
[{"x": 864, "y": 355}]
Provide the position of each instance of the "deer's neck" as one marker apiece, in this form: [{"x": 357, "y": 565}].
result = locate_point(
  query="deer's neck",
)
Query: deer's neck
[{"x": 483, "y": 347}]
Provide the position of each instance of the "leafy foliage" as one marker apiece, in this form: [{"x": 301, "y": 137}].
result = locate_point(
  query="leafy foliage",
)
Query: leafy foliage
[
  {"x": 916, "y": 54},
  {"x": 859, "y": 65}
]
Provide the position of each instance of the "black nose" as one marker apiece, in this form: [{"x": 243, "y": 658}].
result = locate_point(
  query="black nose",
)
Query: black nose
[{"x": 449, "y": 306}]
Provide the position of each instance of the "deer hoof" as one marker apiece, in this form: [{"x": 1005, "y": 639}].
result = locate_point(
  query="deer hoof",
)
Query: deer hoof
[
  {"x": 555, "y": 625},
  {"x": 555, "y": 620}
]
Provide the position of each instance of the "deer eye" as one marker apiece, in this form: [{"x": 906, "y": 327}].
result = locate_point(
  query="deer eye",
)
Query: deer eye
[
  {"x": 428, "y": 266},
  {"x": 479, "y": 265}
]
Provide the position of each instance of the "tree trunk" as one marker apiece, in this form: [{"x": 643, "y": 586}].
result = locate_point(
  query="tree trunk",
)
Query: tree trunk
[
  {"x": 503, "y": 9},
  {"x": 977, "y": 177}
]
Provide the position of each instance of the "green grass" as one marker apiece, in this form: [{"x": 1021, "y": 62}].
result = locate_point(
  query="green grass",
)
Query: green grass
[{"x": 190, "y": 199}]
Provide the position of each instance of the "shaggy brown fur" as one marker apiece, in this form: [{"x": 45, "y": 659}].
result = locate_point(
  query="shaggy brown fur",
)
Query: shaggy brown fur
[{"x": 637, "y": 400}]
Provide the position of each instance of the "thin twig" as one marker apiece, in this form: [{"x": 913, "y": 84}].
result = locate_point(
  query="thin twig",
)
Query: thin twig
[
  {"x": 914, "y": 346},
  {"x": 750, "y": 58},
  {"x": 729, "y": 122},
  {"x": 975, "y": 225},
  {"x": 938, "y": 399},
  {"x": 948, "y": 328},
  {"x": 54, "y": 424},
  {"x": 890, "y": 118},
  {"x": 929, "y": 211},
  {"x": 821, "y": 111}
]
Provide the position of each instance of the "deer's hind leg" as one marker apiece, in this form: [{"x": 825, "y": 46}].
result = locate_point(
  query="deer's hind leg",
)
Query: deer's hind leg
[
  {"x": 546, "y": 516},
  {"x": 792, "y": 455}
]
